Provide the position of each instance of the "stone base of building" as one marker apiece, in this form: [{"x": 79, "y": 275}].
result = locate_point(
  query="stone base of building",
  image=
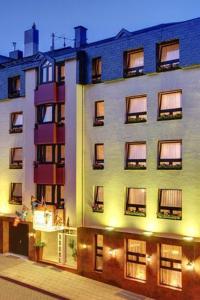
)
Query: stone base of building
[{"x": 115, "y": 261}]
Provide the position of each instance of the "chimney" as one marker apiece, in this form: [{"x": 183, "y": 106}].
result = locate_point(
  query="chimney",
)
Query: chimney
[
  {"x": 31, "y": 41},
  {"x": 16, "y": 54},
  {"x": 80, "y": 36}
]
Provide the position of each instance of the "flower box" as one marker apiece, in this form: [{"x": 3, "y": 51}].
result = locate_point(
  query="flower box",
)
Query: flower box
[
  {"x": 135, "y": 213},
  {"x": 135, "y": 167},
  {"x": 170, "y": 117},
  {"x": 168, "y": 216},
  {"x": 136, "y": 120},
  {"x": 170, "y": 167}
]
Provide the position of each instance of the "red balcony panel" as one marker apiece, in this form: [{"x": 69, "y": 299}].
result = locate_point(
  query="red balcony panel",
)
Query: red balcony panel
[
  {"x": 61, "y": 93},
  {"x": 45, "y": 174},
  {"x": 60, "y": 175},
  {"x": 46, "y": 93},
  {"x": 45, "y": 134},
  {"x": 61, "y": 134}
]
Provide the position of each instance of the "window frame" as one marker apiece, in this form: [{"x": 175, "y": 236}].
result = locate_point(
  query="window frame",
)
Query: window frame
[
  {"x": 135, "y": 71},
  {"x": 98, "y": 206},
  {"x": 15, "y": 200},
  {"x": 97, "y": 254},
  {"x": 60, "y": 159},
  {"x": 98, "y": 120},
  {"x": 13, "y": 92},
  {"x": 15, "y": 128},
  {"x": 98, "y": 163},
  {"x": 60, "y": 79},
  {"x": 137, "y": 206},
  {"x": 171, "y": 116},
  {"x": 49, "y": 66},
  {"x": 138, "y": 115},
  {"x": 137, "y": 162},
  {"x": 96, "y": 77},
  {"x": 40, "y": 114},
  {"x": 170, "y": 161},
  {"x": 169, "y": 216},
  {"x": 15, "y": 164},
  {"x": 56, "y": 199},
  {"x": 41, "y": 153},
  {"x": 169, "y": 65}
]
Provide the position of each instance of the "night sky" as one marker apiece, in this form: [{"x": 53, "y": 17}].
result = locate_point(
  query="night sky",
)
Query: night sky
[{"x": 103, "y": 18}]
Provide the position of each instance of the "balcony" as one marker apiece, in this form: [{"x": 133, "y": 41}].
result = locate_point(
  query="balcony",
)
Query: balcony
[
  {"x": 45, "y": 173},
  {"x": 61, "y": 93},
  {"x": 45, "y": 133},
  {"x": 48, "y": 219},
  {"x": 49, "y": 93},
  {"x": 60, "y": 174},
  {"x": 60, "y": 133}
]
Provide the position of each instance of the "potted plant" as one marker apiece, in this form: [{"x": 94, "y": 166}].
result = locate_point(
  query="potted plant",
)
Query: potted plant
[{"x": 39, "y": 245}]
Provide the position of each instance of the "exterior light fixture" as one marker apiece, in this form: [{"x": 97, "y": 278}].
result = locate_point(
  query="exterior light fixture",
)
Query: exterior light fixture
[
  {"x": 112, "y": 252},
  {"x": 148, "y": 233},
  {"x": 109, "y": 228},
  {"x": 190, "y": 265},
  {"x": 188, "y": 238},
  {"x": 148, "y": 258},
  {"x": 84, "y": 246}
]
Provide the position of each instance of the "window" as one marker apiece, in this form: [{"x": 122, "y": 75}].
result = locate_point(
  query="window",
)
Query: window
[
  {"x": 61, "y": 154},
  {"x": 47, "y": 72},
  {"x": 16, "y": 194},
  {"x": 136, "y": 259},
  {"x": 136, "y": 109},
  {"x": 98, "y": 199},
  {"x": 16, "y": 122},
  {"x": 51, "y": 194},
  {"x": 46, "y": 153},
  {"x": 133, "y": 63},
  {"x": 170, "y": 265},
  {"x": 16, "y": 158},
  {"x": 170, "y": 156},
  {"x": 99, "y": 113},
  {"x": 96, "y": 70},
  {"x": 170, "y": 204},
  {"x": 136, "y": 202},
  {"x": 14, "y": 87},
  {"x": 60, "y": 73},
  {"x": 99, "y": 156},
  {"x": 99, "y": 252},
  {"x": 46, "y": 113},
  {"x": 61, "y": 114},
  {"x": 168, "y": 56},
  {"x": 136, "y": 155},
  {"x": 170, "y": 106}
]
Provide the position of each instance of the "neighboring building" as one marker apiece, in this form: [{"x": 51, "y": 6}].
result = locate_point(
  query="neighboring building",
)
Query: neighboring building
[{"x": 105, "y": 136}]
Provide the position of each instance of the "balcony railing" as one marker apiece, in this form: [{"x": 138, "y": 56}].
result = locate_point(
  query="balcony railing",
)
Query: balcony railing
[
  {"x": 136, "y": 117},
  {"x": 170, "y": 114},
  {"x": 170, "y": 164},
  {"x": 168, "y": 65},
  {"x": 96, "y": 78},
  {"x": 136, "y": 210},
  {"x": 131, "y": 72},
  {"x": 99, "y": 121},
  {"x": 135, "y": 164},
  {"x": 168, "y": 212},
  {"x": 98, "y": 164},
  {"x": 98, "y": 207}
]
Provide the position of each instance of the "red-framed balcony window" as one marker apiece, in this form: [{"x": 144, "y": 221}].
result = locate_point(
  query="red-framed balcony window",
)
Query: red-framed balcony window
[
  {"x": 136, "y": 259},
  {"x": 99, "y": 113},
  {"x": 51, "y": 194},
  {"x": 170, "y": 105},
  {"x": 14, "y": 87},
  {"x": 134, "y": 63},
  {"x": 170, "y": 155},
  {"x": 61, "y": 155},
  {"x": 98, "y": 156},
  {"x": 171, "y": 265},
  {"x": 135, "y": 155},
  {"x": 136, "y": 109},
  {"x": 98, "y": 203},
  {"x": 46, "y": 154},
  {"x": 135, "y": 202},
  {"x": 99, "y": 252},
  {"x": 168, "y": 56},
  {"x": 46, "y": 113},
  {"x": 16, "y": 158},
  {"x": 96, "y": 70},
  {"x": 60, "y": 72},
  {"x": 170, "y": 204},
  {"x": 61, "y": 114},
  {"x": 16, "y": 122},
  {"x": 16, "y": 194}
]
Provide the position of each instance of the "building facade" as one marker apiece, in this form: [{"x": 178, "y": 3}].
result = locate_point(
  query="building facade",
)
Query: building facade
[{"x": 99, "y": 157}]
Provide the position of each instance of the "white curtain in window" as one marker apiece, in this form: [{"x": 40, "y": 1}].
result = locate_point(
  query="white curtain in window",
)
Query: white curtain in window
[
  {"x": 99, "y": 191},
  {"x": 137, "y": 151},
  {"x": 17, "y": 189},
  {"x": 18, "y": 120},
  {"x": 48, "y": 114},
  {"x": 100, "y": 152},
  {"x": 49, "y": 153},
  {"x": 137, "y": 271},
  {"x": 169, "y": 52},
  {"x": 171, "y": 100},
  {"x": 137, "y": 246},
  {"x": 137, "y": 104},
  {"x": 17, "y": 154},
  {"x": 135, "y": 59},
  {"x": 100, "y": 108},
  {"x": 170, "y": 150},
  {"x": 99, "y": 240},
  {"x": 171, "y": 198},
  {"x": 136, "y": 196}
]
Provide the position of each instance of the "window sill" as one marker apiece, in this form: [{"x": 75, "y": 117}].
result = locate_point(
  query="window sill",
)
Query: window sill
[
  {"x": 98, "y": 210},
  {"x": 15, "y": 130},
  {"x": 133, "y": 75},
  {"x": 140, "y": 120},
  {"x": 166, "y": 69},
  {"x": 15, "y": 203},
  {"x": 135, "y": 168},
  {"x": 167, "y": 167},
  {"x": 15, "y": 167},
  {"x": 98, "y": 167},
  {"x": 168, "y": 117},
  {"x": 136, "y": 214},
  {"x": 97, "y": 124},
  {"x": 170, "y": 217}
]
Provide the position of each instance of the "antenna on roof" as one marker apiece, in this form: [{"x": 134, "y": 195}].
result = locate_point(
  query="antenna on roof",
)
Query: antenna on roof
[
  {"x": 53, "y": 37},
  {"x": 53, "y": 41},
  {"x": 14, "y": 45}
]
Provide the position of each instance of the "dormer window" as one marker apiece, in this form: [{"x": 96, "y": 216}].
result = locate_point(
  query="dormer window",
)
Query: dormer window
[
  {"x": 133, "y": 63},
  {"x": 47, "y": 72},
  {"x": 168, "y": 56},
  {"x": 14, "y": 87},
  {"x": 96, "y": 70}
]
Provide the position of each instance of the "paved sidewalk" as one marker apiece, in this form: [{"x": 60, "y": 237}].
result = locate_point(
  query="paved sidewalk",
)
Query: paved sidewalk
[{"x": 62, "y": 283}]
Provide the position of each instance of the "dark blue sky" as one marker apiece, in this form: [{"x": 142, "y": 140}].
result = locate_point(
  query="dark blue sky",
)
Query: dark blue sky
[{"x": 103, "y": 18}]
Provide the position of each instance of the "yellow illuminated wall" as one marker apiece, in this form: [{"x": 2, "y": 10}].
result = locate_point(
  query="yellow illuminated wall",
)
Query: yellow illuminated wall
[{"x": 115, "y": 133}]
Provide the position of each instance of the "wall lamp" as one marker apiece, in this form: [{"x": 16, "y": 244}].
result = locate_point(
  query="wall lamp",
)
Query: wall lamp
[
  {"x": 109, "y": 228},
  {"x": 112, "y": 252},
  {"x": 188, "y": 238},
  {"x": 190, "y": 265},
  {"x": 84, "y": 246},
  {"x": 148, "y": 258},
  {"x": 148, "y": 233}
]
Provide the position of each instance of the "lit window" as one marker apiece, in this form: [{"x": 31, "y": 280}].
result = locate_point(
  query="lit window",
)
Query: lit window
[
  {"x": 170, "y": 156},
  {"x": 170, "y": 265},
  {"x": 51, "y": 195},
  {"x": 99, "y": 113},
  {"x": 136, "y": 155},
  {"x": 133, "y": 63},
  {"x": 170, "y": 204},
  {"x": 60, "y": 72},
  {"x": 61, "y": 114},
  {"x": 136, "y": 202},
  {"x": 96, "y": 70},
  {"x": 170, "y": 106},
  {"x": 16, "y": 158},
  {"x": 46, "y": 72},
  {"x": 136, "y": 259},
  {"x": 61, "y": 154},
  {"x": 99, "y": 156},
  {"x": 98, "y": 199},
  {"x": 16, "y": 194},
  {"x": 168, "y": 56},
  {"x": 60, "y": 197},
  {"x": 136, "y": 109},
  {"x": 14, "y": 87},
  {"x": 16, "y": 122},
  {"x": 45, "y": 153},
  {"x": 45, "y": 113},
  {"x": 99, "y": 252}
]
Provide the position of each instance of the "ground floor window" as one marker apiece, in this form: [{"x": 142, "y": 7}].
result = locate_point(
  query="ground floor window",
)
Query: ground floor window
[
  {"x": 170, "y": 265},
  {"x": 136, "y": 259},
  {"x": 99, "y": 252}
]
